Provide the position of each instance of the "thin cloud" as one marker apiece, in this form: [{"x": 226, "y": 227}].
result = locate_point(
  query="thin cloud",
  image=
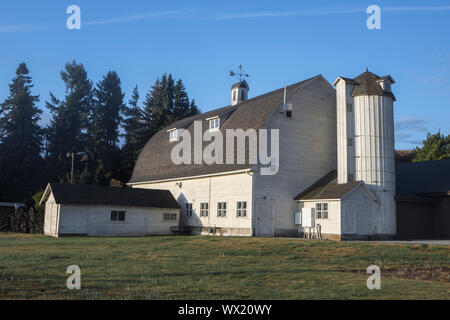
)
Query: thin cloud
[
  {"x": 442, "y": 8},
  {"x": 135, "y": 17},
  {"x": 410, "y": 124},
  {"x": 130, "y": 18},
  {"x": 267, "y": 14},
  {"x": 284, "y": 14}
]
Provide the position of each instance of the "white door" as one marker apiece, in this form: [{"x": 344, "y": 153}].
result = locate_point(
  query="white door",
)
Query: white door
[{"x": 264, "y": 218}]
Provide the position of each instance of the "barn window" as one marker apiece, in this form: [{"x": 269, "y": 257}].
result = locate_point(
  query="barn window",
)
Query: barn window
[
  {"x": 288, "y": 111},
  {"x": 188, "y": 209},
  {"x": 214, "y": 124},
  {"x": 117, "y": 215},
  {"x": 173, "y": 135},
  {"x": 322, "y": 210},
  {"x": 170, "y": 216},
  {"x": 203, "y": 209},
  {"x": 241, "y": 209},
  {"x": 318, "y": 210},
  {"x": 325, "y": 211},
  {"x": 221, "y": 209}
]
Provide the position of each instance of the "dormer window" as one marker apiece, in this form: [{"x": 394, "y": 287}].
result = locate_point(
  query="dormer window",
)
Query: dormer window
[
  {"x": 234, "y": 95},
  {"x": 214, "y": 123},
  {"x": 173, "y": 135}
]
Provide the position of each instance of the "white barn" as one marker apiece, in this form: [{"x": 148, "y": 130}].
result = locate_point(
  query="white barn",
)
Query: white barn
[
  {"x": 72, "y": 209},
  {"x": 320, "y": 132}
]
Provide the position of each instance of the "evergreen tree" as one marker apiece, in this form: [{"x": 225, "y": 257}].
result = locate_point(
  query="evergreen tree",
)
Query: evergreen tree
[
  {"x": 105, "y": 118},
  {"x": 153, "y": 112},
  {"x": 20, "y": 138},
  {"x": 132, "y": 124},
  {"x": 69, "y": 123},
  {"x": 435, "y": 147},
  {"x": 182, "y": 107},
  {"x": 165, "y": 103}
]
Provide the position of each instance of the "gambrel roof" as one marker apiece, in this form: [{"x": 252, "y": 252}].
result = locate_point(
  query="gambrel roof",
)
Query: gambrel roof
[{"x": 154, "y": 162}]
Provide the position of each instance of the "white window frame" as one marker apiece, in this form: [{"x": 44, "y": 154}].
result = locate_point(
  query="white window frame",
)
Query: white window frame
[
  {"x": 322, "y": 210},
  {"x": 221, "y": 209},
  {"x": 169, "y": 216},
  {"x": 117, "y": 212},
  {"x": 289, "y": 111},
  {"x": 188, "y": 209},
  {"x": 214, "y": 123},
  {"x": 241, "y": 209},
  {"x": 325, "y": 210},
  {"x": 173, "y": 135},
  {"x": 204, "y": 209}
]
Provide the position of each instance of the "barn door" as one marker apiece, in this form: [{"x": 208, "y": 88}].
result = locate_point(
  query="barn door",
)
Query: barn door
[
  {"x": 349, "y": 225},
  {"x": 264, "y": 218}
]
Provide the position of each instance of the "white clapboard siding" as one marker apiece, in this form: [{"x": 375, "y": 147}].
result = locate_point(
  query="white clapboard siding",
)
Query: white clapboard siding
[
  {"x": 51, "y": 216},
  {"x": 307, "y": 151},
  {"x": 73, "y": 219},
  {"x": 225, "y": 188}
]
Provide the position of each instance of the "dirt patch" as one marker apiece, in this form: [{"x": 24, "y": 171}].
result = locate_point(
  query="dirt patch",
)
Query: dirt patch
[{"x": 432, "y": 273}]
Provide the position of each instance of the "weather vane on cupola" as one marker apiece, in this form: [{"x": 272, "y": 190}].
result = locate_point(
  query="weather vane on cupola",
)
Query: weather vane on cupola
[{"x": 239, "y": 74}]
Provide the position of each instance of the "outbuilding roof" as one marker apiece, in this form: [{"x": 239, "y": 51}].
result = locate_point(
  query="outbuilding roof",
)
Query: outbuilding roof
[
  {"x": 328, "y": 188},
  {"x": 83, "y": 194},
  {"x": 154, "y": 162}
]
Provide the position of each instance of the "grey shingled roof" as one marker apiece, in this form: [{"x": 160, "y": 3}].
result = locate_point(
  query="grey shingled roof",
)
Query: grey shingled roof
[
  {"x": 327, "y": 188},
  {"x": 416, "y": 179},
  {"x": 97, "y": 195},
  {"x": 240, "y": 84},
  {"x": 155, "y": 163},
  {"x": 366, "y": 84}
]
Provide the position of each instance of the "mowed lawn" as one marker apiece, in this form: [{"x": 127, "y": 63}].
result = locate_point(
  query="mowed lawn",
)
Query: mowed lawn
[{"x": 202, "y": 267}]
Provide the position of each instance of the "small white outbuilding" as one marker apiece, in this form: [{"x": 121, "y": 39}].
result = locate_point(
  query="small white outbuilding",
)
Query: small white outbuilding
[
  {"x": 75, "y": 209},
  {"x": 344, "y": 211}
]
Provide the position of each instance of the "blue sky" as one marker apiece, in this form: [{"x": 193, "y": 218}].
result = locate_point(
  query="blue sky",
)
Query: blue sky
[{"x": 278, "y": 43}]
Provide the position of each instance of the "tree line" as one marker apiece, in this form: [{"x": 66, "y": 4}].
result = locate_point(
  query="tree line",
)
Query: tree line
[{"x": 93, "y": 121}]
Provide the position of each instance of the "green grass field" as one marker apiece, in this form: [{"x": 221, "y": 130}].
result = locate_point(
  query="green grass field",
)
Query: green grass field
[{"x": 195, "y": 267}]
